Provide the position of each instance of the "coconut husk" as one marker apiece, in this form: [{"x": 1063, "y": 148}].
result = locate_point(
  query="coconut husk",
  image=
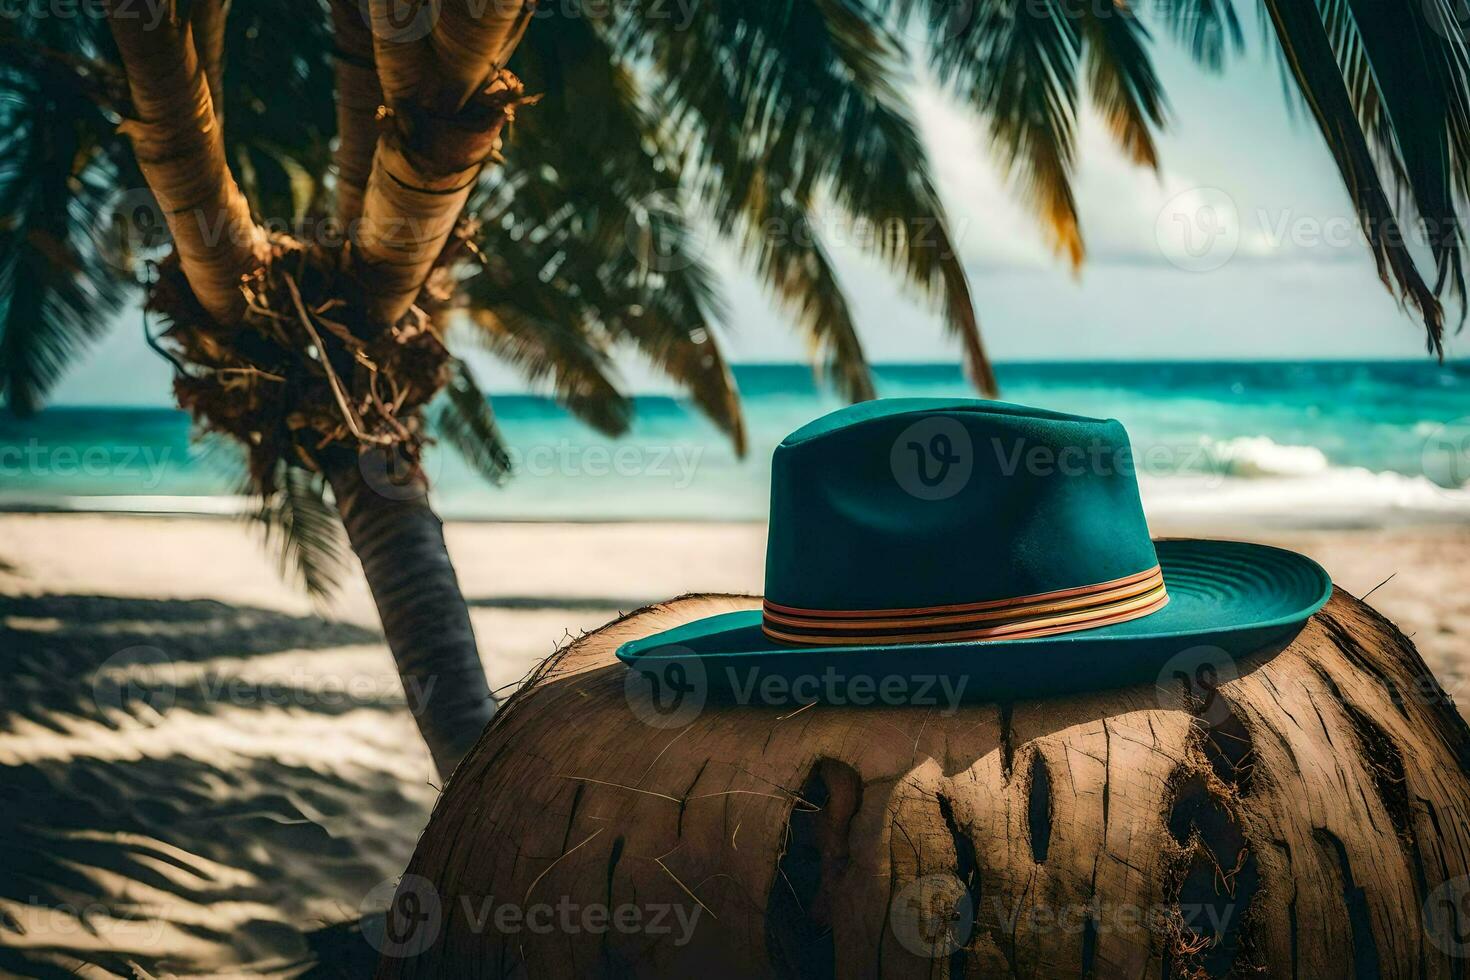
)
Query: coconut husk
[{"x": 304, "y": 372}]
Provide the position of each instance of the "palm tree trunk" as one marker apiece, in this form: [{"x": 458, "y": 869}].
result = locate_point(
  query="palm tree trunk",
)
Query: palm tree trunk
[
  {"x": 411, "y": 184},
  {"x": 464, "y": 38},
  {"x": 207, "y": 21},
  {"x": 400, "y": 542},
  {"x": 181, "y": 151},
  {"x": 448, "y": 97},
  {"x": 358, "y": 97}
]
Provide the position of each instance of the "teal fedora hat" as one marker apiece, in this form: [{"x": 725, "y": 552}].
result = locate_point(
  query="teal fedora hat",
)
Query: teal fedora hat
[{"x": 959, "y": 538}]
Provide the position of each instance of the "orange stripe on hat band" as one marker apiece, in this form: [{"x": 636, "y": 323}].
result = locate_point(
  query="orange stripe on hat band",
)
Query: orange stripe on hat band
[
  {"x": 1080, "y": 590},
  {"x": 1045, "y": 614}
]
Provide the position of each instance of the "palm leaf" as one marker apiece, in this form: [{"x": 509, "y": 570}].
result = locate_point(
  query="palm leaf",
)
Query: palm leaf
[
  {"x": 279, "y": 112},
  {"x": 305, "y": 530},
  {"x": 1121, "y": 78},
  {"x": 795, "y": 265},
  {"x": 1408, "y": 82},
  {"x": 800, "y": 102},
  {"x": 557, "y": 352},
  {"x": 1210, "y": 29},
  {"x": 673, "y": 309},
  {"x": 580, "y": 210},
  {"x": 58, "y": 293},
  {"x": 466, "y": 422},
  {"x": 1308, "y": 54},
  {"x": 1016, "y": 62}
]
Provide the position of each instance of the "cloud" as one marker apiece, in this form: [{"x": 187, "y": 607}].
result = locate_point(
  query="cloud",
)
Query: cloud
[
  {"x": 1118, "y": 202},
  {"x": 1130, "y": 214},
  {"x": 991, "y": 224}
]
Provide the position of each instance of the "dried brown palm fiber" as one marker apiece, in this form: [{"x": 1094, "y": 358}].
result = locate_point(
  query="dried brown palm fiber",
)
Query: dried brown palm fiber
[{"x": 300, "y": 372}]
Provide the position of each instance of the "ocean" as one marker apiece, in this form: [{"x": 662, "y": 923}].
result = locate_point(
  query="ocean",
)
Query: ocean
[{"x": 1307, "y": 443}]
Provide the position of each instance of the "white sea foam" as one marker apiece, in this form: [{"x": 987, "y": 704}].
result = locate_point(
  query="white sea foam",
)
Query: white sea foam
[
  {"x": 220, "y": 505},
  {"x": 1249, "y": 478},
  {"x": 1298, "y": 493},
  {"x": 1259, "y": 456}
]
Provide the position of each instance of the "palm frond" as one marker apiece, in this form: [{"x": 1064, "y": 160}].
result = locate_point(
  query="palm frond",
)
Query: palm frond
[
  {"x": 581, "y": 210},
  {"x": 305, "y": 530},
  {"x": 1308, "y": 54},
  {"x": 1209, "y": 29},
  {"x": 804, "y": 101},
  {"x": 789, "y": 255},
  {"x": 279, "y": 112},
  {"x": 1410, "y": 82},
  {"x": 466, "y": 422},
  {"x": 58, "y": 292},
  {"x": 1016, "y": 62},
  {"x": 671, "y": 319},
  {"x": 555, "y": 352},
  {"x": 1121, "y": 78}
]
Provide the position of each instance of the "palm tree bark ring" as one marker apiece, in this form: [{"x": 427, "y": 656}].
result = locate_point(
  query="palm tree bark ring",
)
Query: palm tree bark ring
[
  {"x": 180, "y": 150},
  {"x": 422, "y": 174},
  {"x": 1308, "y": 820}
]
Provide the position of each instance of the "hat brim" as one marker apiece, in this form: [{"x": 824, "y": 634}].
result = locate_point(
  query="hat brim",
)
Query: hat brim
[{"x": 1228, "y": 595}]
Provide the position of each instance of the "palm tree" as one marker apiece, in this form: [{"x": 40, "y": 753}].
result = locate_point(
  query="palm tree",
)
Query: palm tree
[{"x": 261, "y": 131}]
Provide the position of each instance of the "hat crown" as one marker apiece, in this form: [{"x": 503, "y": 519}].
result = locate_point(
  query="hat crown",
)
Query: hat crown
[{"x": 921, "y": 502}]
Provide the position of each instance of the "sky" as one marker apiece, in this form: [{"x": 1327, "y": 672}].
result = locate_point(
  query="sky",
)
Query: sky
[{"x": 1242, "y": 247}]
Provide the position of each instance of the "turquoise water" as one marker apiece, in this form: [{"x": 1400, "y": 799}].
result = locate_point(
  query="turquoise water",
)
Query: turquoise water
[{"x": 1264, "y": 439}]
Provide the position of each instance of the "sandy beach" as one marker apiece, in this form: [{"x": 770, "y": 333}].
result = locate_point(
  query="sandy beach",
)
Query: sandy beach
[{"x": 229, "y": 770}]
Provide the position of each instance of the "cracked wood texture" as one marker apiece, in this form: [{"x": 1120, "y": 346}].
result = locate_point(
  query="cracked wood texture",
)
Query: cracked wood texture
[{"x": 1309, "y": 820}]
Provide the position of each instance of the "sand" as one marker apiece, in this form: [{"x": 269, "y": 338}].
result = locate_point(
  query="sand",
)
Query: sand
[{"x": 199, "y": 770}]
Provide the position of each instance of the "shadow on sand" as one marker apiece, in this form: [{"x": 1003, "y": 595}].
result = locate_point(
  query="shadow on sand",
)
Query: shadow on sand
[{"x": 208, "y": 850}]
